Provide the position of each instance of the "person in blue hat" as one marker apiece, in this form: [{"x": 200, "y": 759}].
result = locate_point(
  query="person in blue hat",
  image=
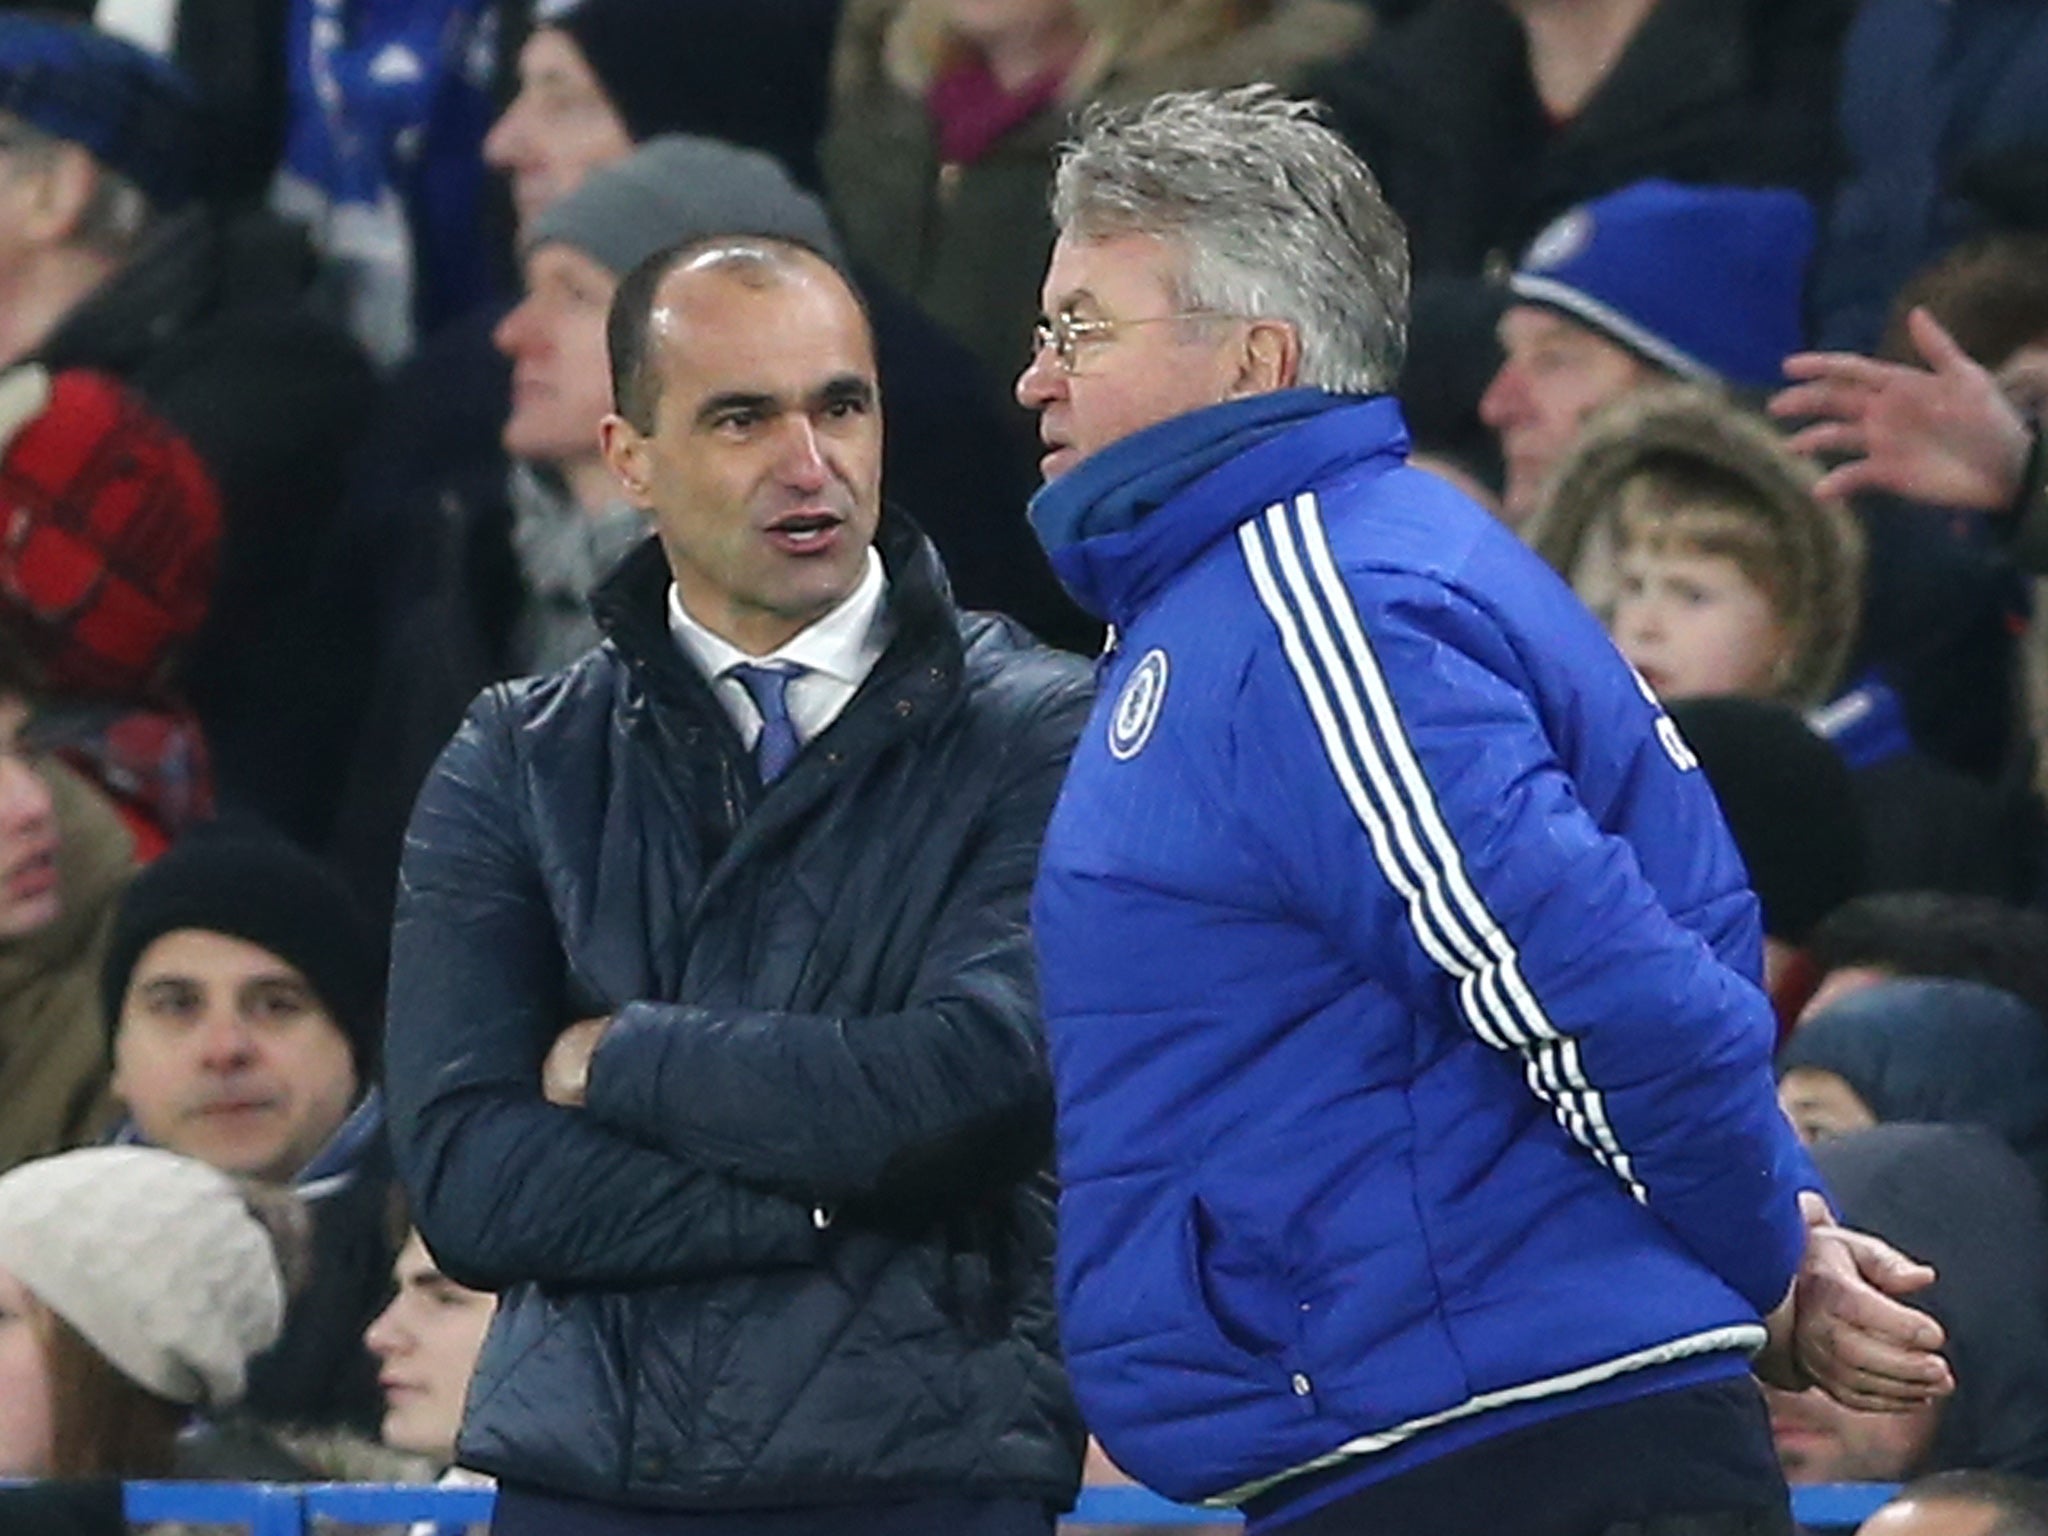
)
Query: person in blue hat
[{"x": 1658, "y": 281}]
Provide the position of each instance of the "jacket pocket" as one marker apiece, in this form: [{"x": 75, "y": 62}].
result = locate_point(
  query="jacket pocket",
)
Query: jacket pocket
[{"x": 1238, "y": 1280}]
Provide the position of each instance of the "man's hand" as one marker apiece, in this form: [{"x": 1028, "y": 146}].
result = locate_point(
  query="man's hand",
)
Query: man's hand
[
  {"x": 565, "y": 1075},
  {"x": 1946, "y": 433},
  {"x": 1843, "y": 1329}
]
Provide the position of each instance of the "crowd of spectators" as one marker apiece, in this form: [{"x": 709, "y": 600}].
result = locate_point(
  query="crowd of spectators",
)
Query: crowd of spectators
[{"x": 303, "y": 362}]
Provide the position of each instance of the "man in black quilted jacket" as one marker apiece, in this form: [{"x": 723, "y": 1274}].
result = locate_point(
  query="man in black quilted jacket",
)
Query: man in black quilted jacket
[{"x": 714, "y": 1037}]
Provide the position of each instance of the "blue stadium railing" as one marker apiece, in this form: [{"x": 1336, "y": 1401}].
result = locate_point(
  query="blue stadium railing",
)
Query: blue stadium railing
[{"x": 284, "y": 1509}]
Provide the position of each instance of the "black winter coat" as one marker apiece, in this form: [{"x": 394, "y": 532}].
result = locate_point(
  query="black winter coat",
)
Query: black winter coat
[
  {"x": 796, "y": 1248},
  {"x": 1733, "y": 92},
  {"x": 319, "y": 1374},
  {"x": 209, "y": 325}
]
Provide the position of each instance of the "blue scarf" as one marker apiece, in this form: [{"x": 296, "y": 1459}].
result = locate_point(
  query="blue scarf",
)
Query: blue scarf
[
  {"x": 1112, "y": 490},
  {"x": 1087, "y": 517},
  {"x": 388, "y": 102}
]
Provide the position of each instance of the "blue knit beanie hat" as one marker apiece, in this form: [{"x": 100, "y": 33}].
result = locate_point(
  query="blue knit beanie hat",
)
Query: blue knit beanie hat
[
  {"x": 135, "y": 112},
  {"x": 1708, "y": 283}
]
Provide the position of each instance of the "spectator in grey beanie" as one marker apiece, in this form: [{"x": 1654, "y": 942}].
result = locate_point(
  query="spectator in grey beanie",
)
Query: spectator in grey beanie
[
  {"x": 240, "y": 992},
  {"x": 675, "y": 189}
]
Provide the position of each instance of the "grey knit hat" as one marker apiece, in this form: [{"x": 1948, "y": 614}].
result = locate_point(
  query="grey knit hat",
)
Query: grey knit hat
[
  {"x": 678, "y": 188},
  {"x": 156, "y": 1261}
]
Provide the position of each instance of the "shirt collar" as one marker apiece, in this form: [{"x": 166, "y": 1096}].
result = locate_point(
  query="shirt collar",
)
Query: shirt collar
[{"x": 842, "y": 645}]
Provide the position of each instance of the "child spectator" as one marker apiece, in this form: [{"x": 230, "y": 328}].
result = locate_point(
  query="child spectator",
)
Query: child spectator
[
  {"x": 1696, "y": 531},
  {"x": 1690, "y": 527},
  {"x": 426, "y": 1342}
]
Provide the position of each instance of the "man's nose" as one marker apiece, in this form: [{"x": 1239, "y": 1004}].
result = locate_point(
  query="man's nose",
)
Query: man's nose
[
  {"x": 504, "y": 145},
  {"x": 514, "y": 333},
  {"x": 385, "y": 1335},
  {"x": 224, "y": 1035},
  {"x": 25, "y": 799},
  {"x": 1502, "y": 400},
  {"x": 804, "y": 465},
  {"x": 1042, "y": 379}
]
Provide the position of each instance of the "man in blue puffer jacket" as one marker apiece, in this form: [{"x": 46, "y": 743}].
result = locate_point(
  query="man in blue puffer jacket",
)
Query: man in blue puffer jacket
[{"x": 1420, "y": 1165}]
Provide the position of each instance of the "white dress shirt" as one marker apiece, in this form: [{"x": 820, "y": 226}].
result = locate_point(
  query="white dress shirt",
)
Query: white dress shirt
[{"x": 837, "y": 652}]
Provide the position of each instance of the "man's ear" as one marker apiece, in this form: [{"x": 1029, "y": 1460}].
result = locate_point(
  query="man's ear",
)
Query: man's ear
[
  {"x": 626, "y": 455},
  {"x": 117, "y": 1081},
  {"x": 1271, "y": 359},
  {"x": 65, "y": 183}
]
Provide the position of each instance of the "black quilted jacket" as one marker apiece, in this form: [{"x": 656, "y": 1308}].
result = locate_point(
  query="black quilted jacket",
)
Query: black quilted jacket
[{"x": 796, "y": 1249}]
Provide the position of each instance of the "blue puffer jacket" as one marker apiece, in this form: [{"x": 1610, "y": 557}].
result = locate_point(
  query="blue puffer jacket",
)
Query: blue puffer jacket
[{"x": 1413, "y": 1079}]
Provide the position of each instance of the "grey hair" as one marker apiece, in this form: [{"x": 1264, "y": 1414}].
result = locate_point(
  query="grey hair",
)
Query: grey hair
[{"x": 1273, "y": 215}]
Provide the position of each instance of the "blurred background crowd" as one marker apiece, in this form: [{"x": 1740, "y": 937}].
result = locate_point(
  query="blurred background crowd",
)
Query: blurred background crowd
[{"x": 302, "y": 358}]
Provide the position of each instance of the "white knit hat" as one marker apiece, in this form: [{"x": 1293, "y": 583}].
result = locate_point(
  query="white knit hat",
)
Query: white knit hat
[{"x": 154, "y": 1258}]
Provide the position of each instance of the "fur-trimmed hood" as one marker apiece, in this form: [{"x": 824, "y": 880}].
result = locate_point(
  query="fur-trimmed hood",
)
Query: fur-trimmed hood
[{"x": 1688, "y": 424}]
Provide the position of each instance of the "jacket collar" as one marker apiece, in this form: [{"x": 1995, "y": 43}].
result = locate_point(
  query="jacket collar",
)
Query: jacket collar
[
  {"x": 170, "y": 284},
  {"x": 631, "y": 607},
  {"x": 910, "y": 689},
  {"x": 1126, "y": 520},
  {"x": 196, "y": 266}
]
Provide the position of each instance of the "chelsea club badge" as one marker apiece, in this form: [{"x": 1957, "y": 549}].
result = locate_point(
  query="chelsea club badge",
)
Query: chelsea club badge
[{"x": 1137, "y": 707}]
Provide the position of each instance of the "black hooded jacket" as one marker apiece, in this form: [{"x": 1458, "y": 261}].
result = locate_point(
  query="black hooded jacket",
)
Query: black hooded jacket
[
  {"x": 210, "y": 324},
  {"x": 796, "y": 1248},
  {"x": 1441, "y": 106},
  {"x": 1957, "y": 1198}
]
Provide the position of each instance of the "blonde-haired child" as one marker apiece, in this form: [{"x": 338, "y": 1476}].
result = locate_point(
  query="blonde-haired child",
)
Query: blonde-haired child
[{"x": 1690, "y": 527}]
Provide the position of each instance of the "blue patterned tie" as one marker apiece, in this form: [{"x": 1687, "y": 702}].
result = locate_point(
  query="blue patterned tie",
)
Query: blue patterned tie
[{"x": 776, "y": 747}]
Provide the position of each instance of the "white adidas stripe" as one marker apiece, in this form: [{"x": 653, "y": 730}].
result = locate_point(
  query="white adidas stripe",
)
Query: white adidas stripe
[
  {"x": 1362, "y": 804},
  {"x": 1288, "y": 558}
]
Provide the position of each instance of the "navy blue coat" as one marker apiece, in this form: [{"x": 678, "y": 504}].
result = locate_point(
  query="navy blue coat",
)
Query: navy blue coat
[
  {"x": 1930, "y": 90},
  {"x": 796, "y": 1248}
]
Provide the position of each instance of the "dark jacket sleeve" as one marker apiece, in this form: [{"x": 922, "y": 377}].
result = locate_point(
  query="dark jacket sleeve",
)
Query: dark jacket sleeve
[
  {"x": 2026, "y": 524},
  {"x": 936, "y": 1101},
  {"x": 507, "y": 1187}
]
